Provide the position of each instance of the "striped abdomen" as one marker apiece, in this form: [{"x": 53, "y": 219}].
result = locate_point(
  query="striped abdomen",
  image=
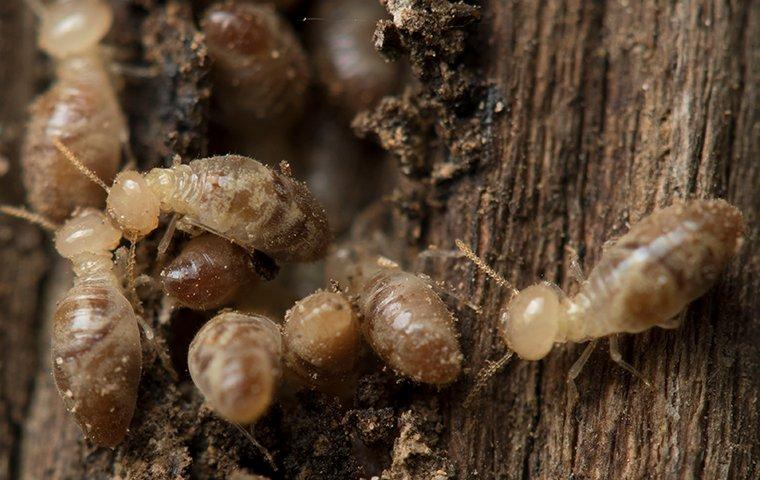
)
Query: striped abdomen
[
  {"x": 234, "y": 360},
  {"x": 248, "y": 203},
  {"x": 409, "y": 327},
  {"x": 81, "y": 111},
  {"x": 97, "y": 359},
  {"x": 662, "y": 264}
]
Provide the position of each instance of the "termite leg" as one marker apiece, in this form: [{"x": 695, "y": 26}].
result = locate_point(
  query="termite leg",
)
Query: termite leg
[
  {"x": 484, "y": 375},
  {"x": 261, "y": 448},
  {"x": 576, "y": 267},
  {"x": 166, "y": 240},
  {"x": 135, "y": 71},
  {"x": 575, "y": 370},
  {"x": 618, "y": 358}
]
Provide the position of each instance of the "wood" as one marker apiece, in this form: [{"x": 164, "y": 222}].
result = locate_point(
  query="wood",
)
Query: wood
[{"x": 538, "y": 127}]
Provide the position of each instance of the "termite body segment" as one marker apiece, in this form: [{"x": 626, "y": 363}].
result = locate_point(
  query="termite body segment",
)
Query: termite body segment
[
  {"x": 259, "y": 71},
  {"x": 409, "y": 327},
  {"x": 354, "y": 74},
  {"x": 208, "y": 272},
  {"x": 96, "y": 340},
  {"x": 648, "y": 276},
  {"x": 81, "y": 108},
  {"x": 322, "y": 337},
  {"x": 234, "y": 361}
]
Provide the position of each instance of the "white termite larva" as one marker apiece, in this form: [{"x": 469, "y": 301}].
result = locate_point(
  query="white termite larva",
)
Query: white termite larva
[
  {"x": 409, "y": 326},
  {"x": 232, "y": 196},
  {"x": 96, "y": 340},
  {"x": 322, "y": 338},
  {"x": 644, "y": 280},
  {"x": 259, "y": 70},
  {"x": 235, "y": 361},
  {"x": 81, "y": 108}
]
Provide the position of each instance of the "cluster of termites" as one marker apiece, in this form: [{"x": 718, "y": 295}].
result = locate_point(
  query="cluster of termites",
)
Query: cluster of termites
[{"x": 233, "y": 209}]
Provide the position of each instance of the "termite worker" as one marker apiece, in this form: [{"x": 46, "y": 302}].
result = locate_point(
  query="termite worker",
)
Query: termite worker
[
  {"x": 259, "y": 70},
  {"x": 644, "y": 280},
  {"x": 235, "y": 361},
  {"x": 232, "y": 196},
  {"x": 81, "y": 108}
]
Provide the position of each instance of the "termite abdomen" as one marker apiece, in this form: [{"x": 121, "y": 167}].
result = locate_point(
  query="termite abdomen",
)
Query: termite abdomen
[
  {"x": 322, "y": 337},
  {"x": 97, "y": 359},
  {"x": 409, "y": 327},
  {"x": 208, "y": 272},
  {"x": 234, "y": 361},
  {"x": 85, "y": 114},
  {"x": 353, "y": 73},
  {"x": 260, "y": 70}
]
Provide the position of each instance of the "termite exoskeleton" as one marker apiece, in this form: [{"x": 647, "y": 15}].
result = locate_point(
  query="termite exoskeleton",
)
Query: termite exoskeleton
[
  {"x": 96, "y": 340},
  {"x": 644, "y": 280},
  {"x": 322, "y": 338},
  {"x": 259, "y": 70},
  {"x": 409, "y": 326},
  {"x": 235, "y": 361},
  {"x": 81, "y": 109},
  {"x": 354, "y": 74},
  {"x": 232, "y": 196},
  {"x": 208, "y": 272}
]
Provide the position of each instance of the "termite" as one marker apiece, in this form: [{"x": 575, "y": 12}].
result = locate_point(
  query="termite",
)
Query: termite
[
  {"x": 259, "y": 70},
  {"x": 208, "y": 272},
  {"x": 81, "y": 108},
  {"x": 353, "y": 73},
  {"x": 95, "y": 340},
  {"x": 235, "y": 361},
  {"x": 232, "y": 196},
  {"x": 322, "y": 338},
  {"x": 664, "y": 262},
  {"x": 409, "y": 326}
]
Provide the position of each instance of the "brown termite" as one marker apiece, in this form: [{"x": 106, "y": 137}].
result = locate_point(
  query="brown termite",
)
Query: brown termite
[
  {"x": 81, "y": 108},
  {"x": 260, "y": 71},
  {"x": 232, "y": 196},
  {"x": 208, "y": 272},
  {"x": 95, "y": 339},
  {"x": 353, "y": 73},
  {"x": 235, "y": 361},
  {"x": 322, "y": 338},
  {"x": 409, "y": 326},
  {"x": 649, "y": 275}
]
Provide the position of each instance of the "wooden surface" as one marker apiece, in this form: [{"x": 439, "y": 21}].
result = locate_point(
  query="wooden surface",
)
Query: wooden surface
[{"x": 537, "y": 127}]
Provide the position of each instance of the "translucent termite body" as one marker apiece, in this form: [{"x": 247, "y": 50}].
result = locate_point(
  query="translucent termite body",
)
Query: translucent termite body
[
  {"x": 208, "y": 272},
  {"x": 235, "y": 361},
  {"x": 81, "y": 109},
  {"x": 322, "y": 338},
  {"x": 353, "y": 73},
  {"x": 409, "y": 326},
  {"x": 260, "y": 70},
  {"x": 96, "y": 340},
  {"x": 232, "y": 196},
  {"x": 644, "y": 280},
  {"x": 649, "y": 275}
]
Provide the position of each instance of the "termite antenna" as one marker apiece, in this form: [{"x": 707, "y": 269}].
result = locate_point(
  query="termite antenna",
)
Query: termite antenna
[
  {"x": 37, "y": 7},
  {"x": 261, "y": 448},
  {"x": 481, "y": 264},
  {"x": 484, "y": 376},
  {"x": 131, "y": 284},
  {"x": 79, "y": 165},
  {"x": 30, "y": 217}
]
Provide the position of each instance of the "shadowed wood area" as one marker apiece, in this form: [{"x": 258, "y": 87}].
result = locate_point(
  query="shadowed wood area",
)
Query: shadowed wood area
[{"x": 535, "y": 129}]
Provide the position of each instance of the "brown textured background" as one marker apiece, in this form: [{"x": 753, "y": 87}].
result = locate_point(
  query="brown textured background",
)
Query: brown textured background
[{"x": 537, "y": 125}]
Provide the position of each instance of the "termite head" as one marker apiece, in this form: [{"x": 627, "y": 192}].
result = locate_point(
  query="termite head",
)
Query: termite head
[
  {"x": 88, "y": 231},
  {"x": 73, "y": 27},
  {"x": 531, "y": 322},
  {"x": 133, "y": 205}
]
